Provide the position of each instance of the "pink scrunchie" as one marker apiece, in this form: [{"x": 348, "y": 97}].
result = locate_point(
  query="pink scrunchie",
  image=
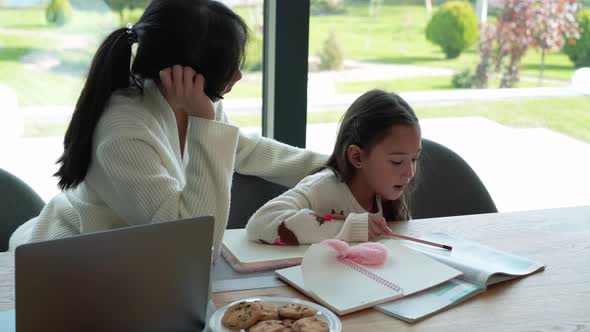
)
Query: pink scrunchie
[{"x": 369, "y": 253}]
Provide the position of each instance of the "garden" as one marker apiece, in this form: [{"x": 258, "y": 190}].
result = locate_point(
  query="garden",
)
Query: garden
[{"x": 45, "y": 51}]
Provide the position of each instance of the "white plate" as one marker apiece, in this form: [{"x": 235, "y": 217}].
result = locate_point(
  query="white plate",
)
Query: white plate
[{"x": 323, "y": 313}]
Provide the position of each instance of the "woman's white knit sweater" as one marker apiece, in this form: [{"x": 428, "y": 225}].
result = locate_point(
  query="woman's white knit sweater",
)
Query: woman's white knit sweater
[{"x": 138, "y": 176}]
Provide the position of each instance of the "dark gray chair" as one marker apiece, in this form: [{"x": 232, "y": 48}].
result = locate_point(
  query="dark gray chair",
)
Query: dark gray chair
[
  {"x": 248, "y": 193},
  {"x": 18, "y": 203},
  {"x": 446, "y": 186}
]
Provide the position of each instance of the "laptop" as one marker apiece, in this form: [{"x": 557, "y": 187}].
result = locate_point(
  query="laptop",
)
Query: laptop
[{"x": 142, "y": 278}]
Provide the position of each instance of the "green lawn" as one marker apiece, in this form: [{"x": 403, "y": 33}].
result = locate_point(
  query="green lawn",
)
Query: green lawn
[
  {"x": 28, "y": 36},
  {"x": 396, "y": 35},
  {"x": 570, "y": 116},
  {"x": 97, "y": 21},
  {"x": 246, "y": 90}
]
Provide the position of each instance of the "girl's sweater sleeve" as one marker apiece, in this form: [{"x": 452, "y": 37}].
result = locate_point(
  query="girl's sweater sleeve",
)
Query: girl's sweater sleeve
[
  {"x": 140, "y": 188},
  {"x": 290, "y": 219}
]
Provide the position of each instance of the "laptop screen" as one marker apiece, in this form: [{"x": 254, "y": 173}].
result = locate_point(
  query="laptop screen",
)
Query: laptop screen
[{"x": 142, "y": 278}]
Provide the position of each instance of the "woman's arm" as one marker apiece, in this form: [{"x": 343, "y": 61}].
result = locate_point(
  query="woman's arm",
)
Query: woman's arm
[
  {"x": 272, "y": 160},
  {"x": 140, "y": 186},
  {"x": 275, "y": 161}
]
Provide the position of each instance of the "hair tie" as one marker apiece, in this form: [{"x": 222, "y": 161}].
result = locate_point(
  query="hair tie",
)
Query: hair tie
[
  {"x": 369, "y": 253},
  {"x": 131, "y": 34}
]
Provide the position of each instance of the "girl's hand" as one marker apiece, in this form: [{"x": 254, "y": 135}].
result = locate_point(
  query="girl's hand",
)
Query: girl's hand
[
  {"x": 184, "y": 90},
  {"x": 378, "y": 227}
]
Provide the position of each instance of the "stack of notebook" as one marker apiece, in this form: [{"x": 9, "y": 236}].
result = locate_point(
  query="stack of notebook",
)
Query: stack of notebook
[{"x": 416, "y": 281}]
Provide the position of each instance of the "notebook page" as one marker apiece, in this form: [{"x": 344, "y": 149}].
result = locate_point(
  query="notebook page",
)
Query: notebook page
[
  {"x": 340, "y": 285},
  {"x": 478, "y": 262}
]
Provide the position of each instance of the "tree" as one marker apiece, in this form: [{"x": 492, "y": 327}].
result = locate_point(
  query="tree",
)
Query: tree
[
  {"x": 120, "y": 5},
  {"x": 556, "y": 23},
  {"x": 485, "y": 48},
  {"x": 58, "y": 12},
  {"x": 514, "y": 36},
  {"x": 481, "y": 8},
  {"x": 428, "y": 4},
  {"x": 532, "y": 23}
]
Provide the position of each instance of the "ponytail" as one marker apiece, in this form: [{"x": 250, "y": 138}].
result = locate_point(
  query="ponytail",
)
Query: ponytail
[{"x": 109, "y": 71}]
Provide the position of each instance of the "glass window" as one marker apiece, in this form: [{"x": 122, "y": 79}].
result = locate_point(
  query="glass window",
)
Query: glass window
[
  {"x": 529, "y": 144},
  {"x": 45, "y": 52},
  {"x": 244, "y": 104}
]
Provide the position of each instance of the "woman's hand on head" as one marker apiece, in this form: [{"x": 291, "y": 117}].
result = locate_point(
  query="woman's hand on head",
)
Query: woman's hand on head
[
  {"x": 378, "y": 227},
  {"x": 183, "y": 88}
]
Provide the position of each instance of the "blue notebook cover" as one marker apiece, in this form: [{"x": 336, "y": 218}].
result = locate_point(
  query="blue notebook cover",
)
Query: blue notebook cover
[{"x": 7, "y": 321}]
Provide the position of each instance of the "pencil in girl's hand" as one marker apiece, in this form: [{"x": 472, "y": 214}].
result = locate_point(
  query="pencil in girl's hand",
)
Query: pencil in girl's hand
[
  {"x": 396, "y": 235},
  {"x": 434, "y": 244}
]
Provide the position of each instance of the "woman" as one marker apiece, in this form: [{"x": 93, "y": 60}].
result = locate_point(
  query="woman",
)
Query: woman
[{"x": 148, "y": 140}]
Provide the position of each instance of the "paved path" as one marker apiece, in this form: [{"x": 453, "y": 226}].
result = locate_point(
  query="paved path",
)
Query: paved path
[{"x": 341, "y": 102}]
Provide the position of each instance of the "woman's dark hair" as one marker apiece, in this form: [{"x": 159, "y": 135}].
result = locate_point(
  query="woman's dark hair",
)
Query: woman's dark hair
[
  {"x": 366, "y": 123},
  {"x": 202, "y": 34}
]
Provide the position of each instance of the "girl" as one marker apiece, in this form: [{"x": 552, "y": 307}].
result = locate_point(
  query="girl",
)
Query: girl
[
  {"x": 149, "y": 142},
  {"x": 364, "y": 181}
]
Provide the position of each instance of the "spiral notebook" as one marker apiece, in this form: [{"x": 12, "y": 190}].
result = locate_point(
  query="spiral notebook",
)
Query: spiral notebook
[{"x": 345, "y": 286}]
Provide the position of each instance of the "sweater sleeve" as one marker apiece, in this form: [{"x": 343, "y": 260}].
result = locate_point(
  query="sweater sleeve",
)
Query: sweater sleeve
[
  {"x": 291, "y": 219},
  {"x": 275, "y": 161},
  {"x": 141, "y": 190},
  {"x": 272, "y": 160}
]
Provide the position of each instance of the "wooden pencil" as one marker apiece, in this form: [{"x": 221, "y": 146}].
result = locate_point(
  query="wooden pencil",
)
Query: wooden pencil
[
  {"x": 395, "y": 235},
  {"x": 409, "y": 238}
]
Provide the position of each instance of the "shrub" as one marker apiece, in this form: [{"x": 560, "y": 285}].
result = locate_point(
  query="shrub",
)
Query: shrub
[
  {"x": 579, "y": 50},
  {"x": 462, "y": 79},
  {"x": 130, "y": 16},
  {"x": 453, "y": 27},
  {"x": 331, "y": 54},
  {"x": 59, "y": 12},
  {"x": 253, "y": 61},
  {"x": 326, "y": 7}
]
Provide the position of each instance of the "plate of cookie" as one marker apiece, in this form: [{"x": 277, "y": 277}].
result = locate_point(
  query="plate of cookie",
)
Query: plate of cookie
[{"x": 269, "y": 313}]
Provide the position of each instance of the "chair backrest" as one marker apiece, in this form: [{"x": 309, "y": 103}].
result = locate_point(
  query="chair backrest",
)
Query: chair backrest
[
  {"x": 248, "y": 193},
  {"x": 446, "y": 186},
  {"x": 18, "y": 203}
]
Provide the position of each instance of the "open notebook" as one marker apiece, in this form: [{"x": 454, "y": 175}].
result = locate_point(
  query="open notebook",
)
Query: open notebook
[
  {"x": 345, "y": 287},
  {"x": 481, "y": 266},
  {"x": 249, "y": 256}
]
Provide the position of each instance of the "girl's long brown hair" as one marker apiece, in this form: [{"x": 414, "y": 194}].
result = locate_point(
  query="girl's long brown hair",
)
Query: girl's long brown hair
[{"x": 365, "y": 124}]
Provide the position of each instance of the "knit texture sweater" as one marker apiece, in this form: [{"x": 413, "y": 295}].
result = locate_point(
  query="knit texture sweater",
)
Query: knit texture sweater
[
  {"x": 298, "y": 216},
  {"x": 138, "y": 175}
]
